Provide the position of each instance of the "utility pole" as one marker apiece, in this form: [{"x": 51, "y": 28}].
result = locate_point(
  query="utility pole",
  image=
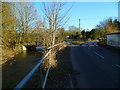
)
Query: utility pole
[
  {"x": 119, "y": 11},
  {"x": 79, "y": 25}
]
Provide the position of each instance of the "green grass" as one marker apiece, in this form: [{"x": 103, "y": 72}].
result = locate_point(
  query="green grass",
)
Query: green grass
[{"x": 76, "y": 41}]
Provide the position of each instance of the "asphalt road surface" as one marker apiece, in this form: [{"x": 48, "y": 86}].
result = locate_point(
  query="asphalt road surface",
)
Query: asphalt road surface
[{"x": 94, "y": 66}]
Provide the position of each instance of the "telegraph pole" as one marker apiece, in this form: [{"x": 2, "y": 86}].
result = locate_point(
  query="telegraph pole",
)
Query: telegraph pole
[
  {"x": 79, "y": 25},
  {"x": 119, "y": 12}
]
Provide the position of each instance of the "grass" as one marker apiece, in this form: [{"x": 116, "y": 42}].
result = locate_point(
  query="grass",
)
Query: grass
[
  {"x": 75, "y": 41},
  {"x": 58, "y": 76},
  {"x": 78, "y": 41}
]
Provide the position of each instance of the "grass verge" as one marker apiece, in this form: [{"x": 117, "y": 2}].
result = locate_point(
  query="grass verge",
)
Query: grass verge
[
  {"x": 78, "y": 41},
  {"x": 58, "y": 76}
]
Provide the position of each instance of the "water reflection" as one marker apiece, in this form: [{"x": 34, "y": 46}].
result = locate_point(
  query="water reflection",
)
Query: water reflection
[
  {"x": 24, "y": 53},
  {"x": 18, "y": 67}
]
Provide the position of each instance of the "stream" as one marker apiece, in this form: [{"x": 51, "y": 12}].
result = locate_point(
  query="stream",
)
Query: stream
[{"x": 17, "y": 68}]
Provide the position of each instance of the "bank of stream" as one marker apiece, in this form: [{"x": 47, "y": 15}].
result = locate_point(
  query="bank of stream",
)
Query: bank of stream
[{"x": 18, "y": 67}]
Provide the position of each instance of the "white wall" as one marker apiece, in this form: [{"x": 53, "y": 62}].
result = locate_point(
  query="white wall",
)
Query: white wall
[{"x": 113, "y": 40}]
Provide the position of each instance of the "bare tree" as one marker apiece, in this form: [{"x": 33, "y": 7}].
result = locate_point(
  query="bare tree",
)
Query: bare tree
[
  {"x": 26, "y": 16},
  {"x": 55, "y": 18}
]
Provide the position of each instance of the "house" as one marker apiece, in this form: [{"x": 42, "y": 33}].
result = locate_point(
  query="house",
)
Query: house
[{"x": 113, "y": 39}]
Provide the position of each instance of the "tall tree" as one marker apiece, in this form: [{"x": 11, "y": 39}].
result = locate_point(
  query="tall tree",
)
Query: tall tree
[
  {"x": 8, "y": 25},
  {"x": 26, "y": 15},
  {"x": 55, "y": 18}
]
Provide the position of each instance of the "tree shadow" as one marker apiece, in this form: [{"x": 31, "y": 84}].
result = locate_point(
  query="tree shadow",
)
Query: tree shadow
[{"x": 58, "y": 76}]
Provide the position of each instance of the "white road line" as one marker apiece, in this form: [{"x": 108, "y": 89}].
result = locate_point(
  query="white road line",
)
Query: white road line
[
  {"x": 117, "y": 65},
  {"x": 99, "y": 55},
  {"x": 71, "y": 83},
  {"x": 96, "y": 45},
  {"x": 89, "y": 48}
]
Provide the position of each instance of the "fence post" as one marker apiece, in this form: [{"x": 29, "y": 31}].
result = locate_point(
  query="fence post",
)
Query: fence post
[
  {"x": 44, "y": 83},
  {"x": 41, "y": 76}
]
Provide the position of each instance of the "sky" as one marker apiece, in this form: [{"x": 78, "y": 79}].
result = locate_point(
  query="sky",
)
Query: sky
[
  {"x": 60, "y": 0},
  {"x": 89, "y": 13}
]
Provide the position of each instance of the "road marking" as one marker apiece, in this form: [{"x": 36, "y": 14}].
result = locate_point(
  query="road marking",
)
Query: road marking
[
  {"x": 99, "y": 55},
  {"x": 117, "y": 65},
  {"x": 91, "y": 45},
  {"x": 88, "y": 48},
  {"x": 71, "y": 83},
  {"x": 96, "y": 45}
]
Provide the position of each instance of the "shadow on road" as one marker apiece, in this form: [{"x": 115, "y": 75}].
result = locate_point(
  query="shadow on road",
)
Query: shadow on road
[{"x": 60, "y": 76}]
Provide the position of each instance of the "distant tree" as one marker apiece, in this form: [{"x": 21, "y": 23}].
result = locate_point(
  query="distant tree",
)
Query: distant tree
[
  {"x": 109, "y": 26},
  {"x": 62, "y": 34},
  {"x": 83, "y": 33},
  {"x": 72, "y": 28},
  {"x": 94, "y": 34},
  {"x": 87, "y": 34},
  {"x": 116, "y": 24},
  {"x": 77, "y": 35}
]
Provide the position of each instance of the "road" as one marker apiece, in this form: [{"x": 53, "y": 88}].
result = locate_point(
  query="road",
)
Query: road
[{"x": 94, "y": 66}]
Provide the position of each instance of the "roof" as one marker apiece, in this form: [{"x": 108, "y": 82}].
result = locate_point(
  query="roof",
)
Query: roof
[{"x": 113, "y": 33}]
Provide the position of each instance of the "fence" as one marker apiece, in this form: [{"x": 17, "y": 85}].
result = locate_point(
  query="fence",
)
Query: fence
[{"x": 28, "y": 76}]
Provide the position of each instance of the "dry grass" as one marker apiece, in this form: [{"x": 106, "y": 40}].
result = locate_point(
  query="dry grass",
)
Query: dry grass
[
  {"x": 78, "y": 41},
  {"x": 58, "y": 76},
  {"x": 51, "y": 58},
  {"x": 7, "y": 54}
]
